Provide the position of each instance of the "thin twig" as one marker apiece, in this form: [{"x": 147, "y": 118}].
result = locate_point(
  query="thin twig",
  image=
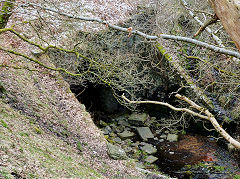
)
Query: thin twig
[{"x": 217, "y": 40}]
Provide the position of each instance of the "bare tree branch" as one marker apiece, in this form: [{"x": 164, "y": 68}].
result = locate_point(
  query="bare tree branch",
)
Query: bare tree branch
[
  {"x": 217, "y": 40},
  {"x": 167, "y": 105},
  {"x": 212, "y": 119},
  {"x": 150, "y": 37},
  {"x": 207, "y": 116},
  {"x": 205, "y": 25},
  {"x": 202, "y": 44}
]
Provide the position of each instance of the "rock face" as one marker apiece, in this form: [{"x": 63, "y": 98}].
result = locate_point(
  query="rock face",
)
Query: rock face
[
  {"x": 116, "y": 152},
  {"x": 145, "y": 133},
  {"x": 138, "y": 119},
  {"x": 108, "y": 102}
]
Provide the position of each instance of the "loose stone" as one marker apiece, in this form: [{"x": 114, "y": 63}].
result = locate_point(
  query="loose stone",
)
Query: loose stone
[
  {"x": 172, "y": 137},
  {"x": 117, "y": 139},
  {"x": 139, "y": 165},
  {"x": 122, "y": 122},
  {"x": 163, "y": 136},
  {"x": 145, "y": 133},
  {"x": 149, "y": 149},
  {"x": 102, "y": 123},
  {"x": 116, "y": 152},
  {"x": 143, "y": 143},
  {"x": 126, "y": 135},
  {"x": 107, "y": 130},
  {"x": 161, "y": 140},
  {"x": 136, "y": 144},
  {"x": 128, "y": 149},
  {"x": 151, "y": 159},
  {"x": 138, "y": 119}
]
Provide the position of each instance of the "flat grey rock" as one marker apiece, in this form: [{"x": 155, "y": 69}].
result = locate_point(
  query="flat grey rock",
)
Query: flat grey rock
[
  {"x": 116, "y": 152},
  {"x": 102, "y": 123},
  {"x": 117, "y": 139},
  {"x": 143, "y": 143},
  {"x": 161, "y": 140},
  {"x": 125, "y": 135},
  {"x": 145, "y": 133},
  {"x": 136, "y": 144},
  {"x": 122, "y": 122},
  {"x": 128, "y": 149},
  {"x": 172, "y": 137},
  {"x": 163, "y": 136},
  {"x": 112, "y": 134},
  {"x": 107, "y": 130},
  {"x": 166, "y": 132},
  {"x": 139, "y": 165},
  {"x": 138, "y": 119},
  {"x": 149, "y": 149},
  {"x": 151, "y": 159},
  {"x": 119, "y": 129}
]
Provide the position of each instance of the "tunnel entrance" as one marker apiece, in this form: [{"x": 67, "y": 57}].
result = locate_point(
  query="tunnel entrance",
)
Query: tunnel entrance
[
  {"x": 99, "y": 101},
  {"x": 114, "y": 121}
]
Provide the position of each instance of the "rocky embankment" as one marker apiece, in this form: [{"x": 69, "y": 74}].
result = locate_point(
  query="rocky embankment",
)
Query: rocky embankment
[
  {"x": 133, "y": 133},
  {"x": 190, "y": 155}
]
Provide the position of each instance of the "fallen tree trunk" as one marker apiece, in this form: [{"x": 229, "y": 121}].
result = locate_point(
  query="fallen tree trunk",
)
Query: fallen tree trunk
[
  {"x": 182, "y": 72},
  {"x": 229, "y": 14}
]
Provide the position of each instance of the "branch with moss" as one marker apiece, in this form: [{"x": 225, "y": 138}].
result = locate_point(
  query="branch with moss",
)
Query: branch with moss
[
  {"x": 177, "y": 65},
  {"x": 202, "y": 113},
  {"x": 78, "y": 55},
  {"x": 18, "y": 67},
  {"x": 38, "y": 62},
  {"x": 6, "y": 12},
  {"x": 214, "y": 66}
]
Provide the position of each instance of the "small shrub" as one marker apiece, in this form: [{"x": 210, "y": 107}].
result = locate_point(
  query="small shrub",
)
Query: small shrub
[
  {"x": 38, "y": 130},
  {"x": 23, "y": 134},
  {"x": 79, "y": 146},
  {"x": 4, "y": 124}
]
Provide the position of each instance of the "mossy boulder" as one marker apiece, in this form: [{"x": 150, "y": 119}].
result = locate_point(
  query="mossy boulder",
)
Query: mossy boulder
[{"x": 116, "y": 152}]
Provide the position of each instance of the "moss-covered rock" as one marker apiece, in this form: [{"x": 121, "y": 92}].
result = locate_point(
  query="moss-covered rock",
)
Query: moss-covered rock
[{"x": 116, "y": 152}]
